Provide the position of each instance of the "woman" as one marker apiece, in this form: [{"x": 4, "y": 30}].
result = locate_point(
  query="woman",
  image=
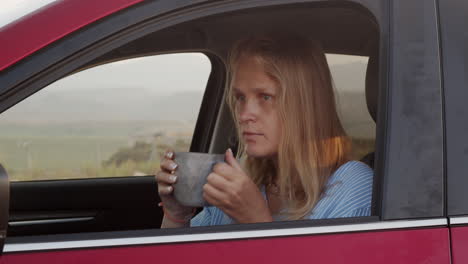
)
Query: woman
[{"x": 296, "y": 154}]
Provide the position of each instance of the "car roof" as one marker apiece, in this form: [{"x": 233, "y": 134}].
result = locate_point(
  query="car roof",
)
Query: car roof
[{"x": 51, "y": 23}]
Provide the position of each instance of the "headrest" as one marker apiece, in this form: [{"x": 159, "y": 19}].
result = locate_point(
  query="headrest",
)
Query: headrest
[{"x": 372, "y": 82}]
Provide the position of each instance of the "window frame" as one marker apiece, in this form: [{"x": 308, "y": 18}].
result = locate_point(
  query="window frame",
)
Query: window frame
[
  {"x": 4, "y": 206},
  {"x": 454, "y": 88},
  {"x": 210, "y": 93},
  {"x": 410, "y": 190}
]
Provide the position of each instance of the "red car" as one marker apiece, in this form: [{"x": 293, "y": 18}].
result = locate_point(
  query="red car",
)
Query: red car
[{"x": 416, "y": 61}]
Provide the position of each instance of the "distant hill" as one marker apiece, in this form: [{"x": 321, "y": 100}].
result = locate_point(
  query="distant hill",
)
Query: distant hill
[
  {"x": 120, "y": 104},
  {"x": 142, "y": 104}
]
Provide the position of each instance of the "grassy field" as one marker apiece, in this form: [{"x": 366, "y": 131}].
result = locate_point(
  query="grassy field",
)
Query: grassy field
[
  {"x": 57, "y": 152},
  {"x": 64, "y": 151}
]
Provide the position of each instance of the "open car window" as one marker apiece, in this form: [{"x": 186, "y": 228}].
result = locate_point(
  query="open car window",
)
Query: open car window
[{"x": 110, "y": 120}]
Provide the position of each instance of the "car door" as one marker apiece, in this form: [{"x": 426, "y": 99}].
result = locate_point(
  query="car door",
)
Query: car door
[
  {"x": 455, "y": 59},
  {"x": 408, "y": 223}
]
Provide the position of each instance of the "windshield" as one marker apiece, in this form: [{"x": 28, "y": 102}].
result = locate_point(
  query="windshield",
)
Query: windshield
[{"x": 11, "y": 10}]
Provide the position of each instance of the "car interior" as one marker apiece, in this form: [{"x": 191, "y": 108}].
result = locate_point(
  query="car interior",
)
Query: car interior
[{"x": 130, "y": 203}]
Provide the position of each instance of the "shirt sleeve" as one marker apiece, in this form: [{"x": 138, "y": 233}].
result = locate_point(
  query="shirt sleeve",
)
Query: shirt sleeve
[
  {"x": 211, "y": 216},
  {"x": 349, "y": 193},
  {"x": 365, "y": 211},
  {"x": 357, "y": 192}
]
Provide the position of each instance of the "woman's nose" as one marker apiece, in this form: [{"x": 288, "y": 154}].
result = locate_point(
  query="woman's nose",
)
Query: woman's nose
[{"x": 248, "y": 111}]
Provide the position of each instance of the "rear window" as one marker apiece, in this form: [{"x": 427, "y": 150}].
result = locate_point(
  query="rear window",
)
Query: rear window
[{"x": 349, "y": 74}]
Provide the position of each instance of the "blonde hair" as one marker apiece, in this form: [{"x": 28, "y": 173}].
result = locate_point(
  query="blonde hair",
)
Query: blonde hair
[{"x": 313, "y": 142}]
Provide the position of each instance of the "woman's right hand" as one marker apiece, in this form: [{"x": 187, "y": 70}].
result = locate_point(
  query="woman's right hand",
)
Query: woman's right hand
[{"x": 165, "y": 178}]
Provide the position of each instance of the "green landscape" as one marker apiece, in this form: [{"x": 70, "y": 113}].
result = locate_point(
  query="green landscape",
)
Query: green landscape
[{"x": 64, "y": 151}]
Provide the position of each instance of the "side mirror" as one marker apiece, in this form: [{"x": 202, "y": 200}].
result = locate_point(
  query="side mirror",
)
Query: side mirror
[{"x": 4, "y": 206}]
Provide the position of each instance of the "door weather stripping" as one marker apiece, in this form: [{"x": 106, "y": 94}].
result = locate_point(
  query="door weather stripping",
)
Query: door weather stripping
[
  {"x": 50, "y": 221},
  {"x": 458, "y": 220},
  {"x": 366, "y": 227}
]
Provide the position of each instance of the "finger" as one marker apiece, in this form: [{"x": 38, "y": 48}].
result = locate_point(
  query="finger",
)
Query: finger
[
  {"x": 225, "y": 207},
  {"x": 164, "y": 189},
  {"x": 214, "y": 194},
  {"x": 169, "y": 154},
  {"x": 231, "y": 160},
  {"x": 211, "y": 200},
  {"x": 218, "y": 181},
  {"x": 225, "y": 170},
  {"x": 166, "y": 178},
  {"x": 168, "y": 165}
]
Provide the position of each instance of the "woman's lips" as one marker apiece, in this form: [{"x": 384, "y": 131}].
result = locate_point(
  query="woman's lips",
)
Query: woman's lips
[{"x": 251, "y": 136}]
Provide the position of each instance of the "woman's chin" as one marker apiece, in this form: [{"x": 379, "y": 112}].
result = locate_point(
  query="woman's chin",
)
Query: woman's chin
[{"x": 258, "y": 153}]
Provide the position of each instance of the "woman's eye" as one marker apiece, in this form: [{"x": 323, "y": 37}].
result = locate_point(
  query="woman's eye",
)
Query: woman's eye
[
  {"x": 266, "y": 97},
  {"x": 240, "y": 97}
]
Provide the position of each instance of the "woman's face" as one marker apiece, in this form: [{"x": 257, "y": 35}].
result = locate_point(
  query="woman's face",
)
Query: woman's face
[{"x": 256, "y": 105}]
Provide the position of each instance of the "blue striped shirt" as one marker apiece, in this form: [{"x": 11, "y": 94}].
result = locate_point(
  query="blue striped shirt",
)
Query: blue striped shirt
[{"x": 348, "y": 193}]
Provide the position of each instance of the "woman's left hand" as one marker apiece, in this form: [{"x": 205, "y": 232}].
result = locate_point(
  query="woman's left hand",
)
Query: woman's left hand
[{"x": 232, "y": 191}]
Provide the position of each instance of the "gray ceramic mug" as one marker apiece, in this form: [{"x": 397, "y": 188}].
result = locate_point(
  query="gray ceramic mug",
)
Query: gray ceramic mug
[{"x": 192, "y": 171}]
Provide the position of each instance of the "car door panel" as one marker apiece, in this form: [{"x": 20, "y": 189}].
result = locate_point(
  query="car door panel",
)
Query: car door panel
[
  {"x": 386, "y": 246},
  {"x": 459, "y": 236},
  {"x": 62, "y": 206}
]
